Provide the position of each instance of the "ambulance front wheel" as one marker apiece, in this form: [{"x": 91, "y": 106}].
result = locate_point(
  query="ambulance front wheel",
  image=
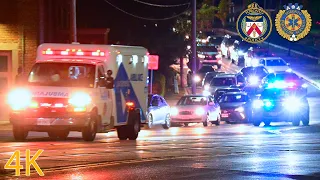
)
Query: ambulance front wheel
[
  {"x": 89, "y": 132},
  {"x": 19, "y": 133}
]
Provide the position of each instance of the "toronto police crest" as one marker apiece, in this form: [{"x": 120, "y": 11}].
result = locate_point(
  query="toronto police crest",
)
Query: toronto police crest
[
  {"x": 254, "y": 24},
  {"x": 293, "y": 23}
]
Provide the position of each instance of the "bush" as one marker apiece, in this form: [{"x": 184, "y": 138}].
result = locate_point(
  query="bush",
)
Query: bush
[{"x": 159, "y": 84}]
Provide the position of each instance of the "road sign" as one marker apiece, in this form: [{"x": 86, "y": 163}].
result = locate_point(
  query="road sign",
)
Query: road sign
[{"x": 153, "y": 63}]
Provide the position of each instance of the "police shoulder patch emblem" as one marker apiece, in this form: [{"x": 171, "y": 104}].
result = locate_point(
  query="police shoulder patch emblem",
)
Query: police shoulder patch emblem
[
  {"x": 293, "y": 23},
  {"x": 254, "y": 24}
]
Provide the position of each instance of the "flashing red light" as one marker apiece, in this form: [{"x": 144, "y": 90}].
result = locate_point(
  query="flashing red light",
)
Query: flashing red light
[
  {"x": 73, "y": 52},
  {"x": 48, "y": 51},
  {"x": 130, "y": 104},
  {"x": 80, "y": 53},
  {"x": 64, "y": 53}
]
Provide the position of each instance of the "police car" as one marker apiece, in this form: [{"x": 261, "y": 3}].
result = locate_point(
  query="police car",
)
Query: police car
[
  {"x": 85, "y": 88},
  {"x": 276, "y": 104}
]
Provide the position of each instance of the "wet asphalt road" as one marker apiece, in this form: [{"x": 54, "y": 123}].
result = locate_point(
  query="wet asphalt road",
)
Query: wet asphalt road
[{"x": 237, "y": 151}]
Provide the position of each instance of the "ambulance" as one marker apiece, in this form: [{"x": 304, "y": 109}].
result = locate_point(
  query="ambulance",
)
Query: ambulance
[{"x": 82, "y": 87}]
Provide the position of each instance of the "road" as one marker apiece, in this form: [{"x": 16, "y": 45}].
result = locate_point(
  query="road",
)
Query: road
[{"x": 237, "y": 151}]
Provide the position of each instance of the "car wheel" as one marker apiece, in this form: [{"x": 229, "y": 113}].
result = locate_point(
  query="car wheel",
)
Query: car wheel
[
  {"x": 296, "y": 122},
  {"x": 167, "y": 122},
  {"x": 256, "y": 122},
  {"x": 217, "y": 123},
  {"x": 89, "y": 132},
  {"x": 134, "y": 128},
  {"x": 150, "y": 121},
  {"x": 122, "y": 132},
  {"x": 186, "y": 124},
  {"x": 305, "y": 120},
  {"x": 205, "y": 122},
  {"x": 19, "y": 133}
]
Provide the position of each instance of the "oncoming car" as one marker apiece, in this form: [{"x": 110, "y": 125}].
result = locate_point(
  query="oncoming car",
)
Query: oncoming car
[
  {"x": 276, "y": 105},
  {"x": 196, "y": 109}
]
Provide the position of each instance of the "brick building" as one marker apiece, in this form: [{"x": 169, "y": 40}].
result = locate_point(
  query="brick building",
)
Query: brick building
[{"x": 24, "y": 24}]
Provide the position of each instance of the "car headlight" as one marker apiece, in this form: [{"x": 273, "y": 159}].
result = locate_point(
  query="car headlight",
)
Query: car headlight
[
  {"x": 199, "y": 111},
  {"x": 239, "y": 109},
  {"x": 197, "y": 79},
  {"x": 206, "y": 87},
  {"x": 174, "y": 111},
  {"x": 206, "y": 93},
  {"x": 253, "y": 80},
  {"x": 19, "y": 99},
  {"x": 80, "y": 100},
  {"x": 257, "y": 103},
  {"x": 292, "y": 103}
]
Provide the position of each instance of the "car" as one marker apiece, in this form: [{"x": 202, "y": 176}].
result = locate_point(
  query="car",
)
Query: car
[
  {"x": 210, "y": 55},
  {"x": 276, "y": 105},
  {"x": 253, "y": 91},
  {"x": 275, "y": 64},
  {"x": 219, "y": 92},
  {"x": 240, "y": 48},
  {"x": 196, "y": 109},
  {"x": 285, "y": 80},
  {"x": 235, "y": 107},
  {"x": 254, "y": 74},
  {"x": 198, "y": 77},
  {"x": 158, "y": 112},
  {"x": 224, "y": 81},
  {"x": 227, "y": 45},
  {"x": 208, "y": 77}
]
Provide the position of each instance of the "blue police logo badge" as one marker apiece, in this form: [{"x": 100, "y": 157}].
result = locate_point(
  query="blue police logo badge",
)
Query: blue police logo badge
[
  {"x": 254, "y": 24},
  {"x": 293, "y": 23}
]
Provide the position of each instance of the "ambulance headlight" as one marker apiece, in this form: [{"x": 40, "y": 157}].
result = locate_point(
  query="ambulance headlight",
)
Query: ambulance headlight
[
  {"x": 19, "y": 99},
  {"x": 292, "y": 104},
  {"x": 80, "y": 100}
]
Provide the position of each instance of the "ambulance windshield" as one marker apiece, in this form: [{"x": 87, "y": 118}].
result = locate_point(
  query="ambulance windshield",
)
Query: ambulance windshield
[{"x": 62, "y": 74}]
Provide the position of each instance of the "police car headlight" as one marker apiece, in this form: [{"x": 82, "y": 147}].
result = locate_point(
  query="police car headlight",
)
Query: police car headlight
[
  {"x": 80, "y": 100},
  {"x": 253, "y": 80},
  {"x": 19, "y": 99},
  {"x": 292, "y": 104},
  {"x": 257, "y": 104}
]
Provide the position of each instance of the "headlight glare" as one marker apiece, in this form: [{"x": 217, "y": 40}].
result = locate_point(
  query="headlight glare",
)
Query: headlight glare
[
  {"x": 239, "y": 109},
  {"x": 19, "y": 99},
  {"x": 199, "y": 111},
  {"x": 80, "y": 99},
  {"x": 174, "y": 111}
]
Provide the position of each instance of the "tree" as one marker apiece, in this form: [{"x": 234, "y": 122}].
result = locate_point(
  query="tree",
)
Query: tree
[{"x": 223, "y": 11}]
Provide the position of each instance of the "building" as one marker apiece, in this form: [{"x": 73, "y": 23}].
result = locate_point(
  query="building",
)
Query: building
[{"x": 24, "y": 24}]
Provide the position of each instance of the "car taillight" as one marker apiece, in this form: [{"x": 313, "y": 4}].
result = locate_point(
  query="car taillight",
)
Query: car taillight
[{"x": 130, "y": 105}]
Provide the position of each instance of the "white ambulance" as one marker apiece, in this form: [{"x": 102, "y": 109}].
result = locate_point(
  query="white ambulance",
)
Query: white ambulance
[{"x": 85, "y": 88}]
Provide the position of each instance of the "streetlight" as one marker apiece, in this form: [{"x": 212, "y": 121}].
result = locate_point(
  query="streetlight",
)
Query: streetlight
[{"x": 187, "y": 37}]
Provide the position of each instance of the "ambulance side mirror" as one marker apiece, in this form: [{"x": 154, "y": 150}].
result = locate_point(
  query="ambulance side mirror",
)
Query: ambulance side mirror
[{"x": 109, "y": 80}]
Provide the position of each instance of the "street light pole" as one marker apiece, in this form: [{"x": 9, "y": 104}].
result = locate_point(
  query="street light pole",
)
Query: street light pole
[
  {"x": 194, "y": 44},
  {"x": 73, "y": 20}
]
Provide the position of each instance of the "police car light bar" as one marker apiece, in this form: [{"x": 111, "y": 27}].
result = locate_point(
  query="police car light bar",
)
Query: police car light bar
[{"x": 73, "y": 52}]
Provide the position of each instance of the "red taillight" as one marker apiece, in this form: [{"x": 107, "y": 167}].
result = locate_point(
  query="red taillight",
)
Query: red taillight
[{"x": 130, "y": 104}]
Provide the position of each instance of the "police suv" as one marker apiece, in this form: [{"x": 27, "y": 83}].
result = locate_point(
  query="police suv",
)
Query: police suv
[
  {"x": 86, "y": 88},
  {"x": 276, "y": 104}
]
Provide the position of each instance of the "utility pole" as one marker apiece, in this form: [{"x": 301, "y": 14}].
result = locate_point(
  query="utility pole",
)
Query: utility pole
[
  {"x": 73, "y": 19},
  {"x": 41, "y": 21},
  {"x": 194, "y": 44}
]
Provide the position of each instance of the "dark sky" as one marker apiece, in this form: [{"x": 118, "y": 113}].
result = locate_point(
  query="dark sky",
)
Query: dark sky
[{"x": 99, "y": 14}]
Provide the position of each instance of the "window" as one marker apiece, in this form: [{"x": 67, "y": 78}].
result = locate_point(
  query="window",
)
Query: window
[
  {"x": 62, "y": 74},
  {"x": 163, "y": 102},
  {"x": 276, "y": 62},
  {"x": 155, "y": 101},
  {"x": 240, "y": 79},
  {"x": 101, "y": 76},
  {"x": 193, "y": 100},
  {"x": 223, "y": 81},
  {"x": 230, "y": 98}
]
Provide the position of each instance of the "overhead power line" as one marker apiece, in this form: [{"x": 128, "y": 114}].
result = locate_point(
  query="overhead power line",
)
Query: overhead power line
[
  {"x": 161, "y": 5},
  {"x": 145, "y": 18}
]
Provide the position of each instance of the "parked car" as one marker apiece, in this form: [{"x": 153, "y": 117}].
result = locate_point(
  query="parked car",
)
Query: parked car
[
  {"x": 235, "y": 107},
  {"x": 196, "y": 109},
  {"x": 275, "y": 64},
  {"x": 225, "y": 81},
  {"x": 158, "y": 112}
]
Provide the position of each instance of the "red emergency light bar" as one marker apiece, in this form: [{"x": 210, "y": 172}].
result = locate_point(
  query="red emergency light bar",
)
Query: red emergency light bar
[{"x": 73, "y": 52}]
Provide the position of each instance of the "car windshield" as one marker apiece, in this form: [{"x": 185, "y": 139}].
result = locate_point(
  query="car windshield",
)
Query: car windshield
[
  {"x": 276, "y": 62},
  {"x": 62, "y": 74},
  {"x": 207, "y": 49},
  {"x": 228, "y": 98},
  {"x": 192, "y": 100},
  {"x": 205, "y": 69},
  {"x": 223, "y": 81}
]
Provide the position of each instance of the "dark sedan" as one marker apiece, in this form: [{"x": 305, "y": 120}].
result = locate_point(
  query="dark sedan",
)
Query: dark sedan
[
  {"x": 235, "y": 107},
  {"x": 219, "y": 92}
]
